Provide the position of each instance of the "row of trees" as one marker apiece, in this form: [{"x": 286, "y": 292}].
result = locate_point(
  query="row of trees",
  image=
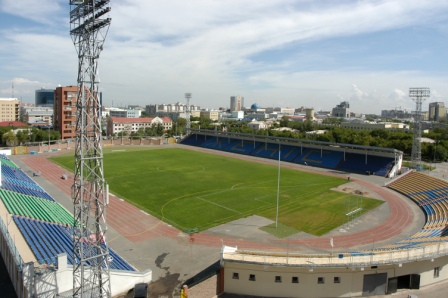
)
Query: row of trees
[
  {"x": 27, "y": 135},
  {"x": 399, "y": 140}
]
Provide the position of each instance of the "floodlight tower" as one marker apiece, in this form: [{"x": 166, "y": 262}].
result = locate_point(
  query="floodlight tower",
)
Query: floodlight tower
[
  {"x": 89, "y": 24},
  {"x": 188, "y": 124},
  {"x": 418, "y": 95}
]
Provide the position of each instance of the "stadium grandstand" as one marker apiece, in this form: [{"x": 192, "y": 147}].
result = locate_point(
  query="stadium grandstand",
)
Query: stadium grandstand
[
  {"x": 37, "y": 240},
  {"x": 384, "y": 162},
  {"x": 419, "y": 260}
]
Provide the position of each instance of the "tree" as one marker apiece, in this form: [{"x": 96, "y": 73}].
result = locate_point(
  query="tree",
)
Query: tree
[
  {"x": 9, "y": 138},
  {"x": 284, "y": 121}
]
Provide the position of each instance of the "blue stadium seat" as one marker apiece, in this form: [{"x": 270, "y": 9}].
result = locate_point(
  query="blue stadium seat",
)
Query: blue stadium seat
[{"x": 47, "y": 240}]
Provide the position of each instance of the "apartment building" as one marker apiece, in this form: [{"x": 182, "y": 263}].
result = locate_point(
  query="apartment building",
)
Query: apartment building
[
  {"x": 10, "y": 109},
  {"x": 64, "y": 119}
]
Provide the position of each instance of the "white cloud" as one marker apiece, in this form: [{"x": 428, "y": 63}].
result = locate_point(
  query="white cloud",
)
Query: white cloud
[
  {"x": 22, "y": 87},
  {"x": 357, "y": 94},
  {"x": 397, "y": 95},
  {"x": 158, "y": 50},
  {"x": 42, "y": 11}
]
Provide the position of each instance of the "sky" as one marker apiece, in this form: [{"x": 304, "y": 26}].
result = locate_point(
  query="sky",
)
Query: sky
[{"x": 287, "y": 53}]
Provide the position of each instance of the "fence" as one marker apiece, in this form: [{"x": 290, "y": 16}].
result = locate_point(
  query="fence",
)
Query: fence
[
  {"x": 13, "y": 260},
  {"x": 363, "y": 259}
]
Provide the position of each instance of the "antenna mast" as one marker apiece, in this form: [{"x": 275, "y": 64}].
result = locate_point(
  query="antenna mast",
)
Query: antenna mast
[
  {"x": 89, "y": 24},
  {"x": 418, "y": 95}
]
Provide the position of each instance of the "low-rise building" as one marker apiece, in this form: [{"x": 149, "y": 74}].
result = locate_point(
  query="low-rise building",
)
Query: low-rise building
[
  {"x": 169, "y": 108},
  {"x": 123, "y": 113},
  {"x": 37, "y": 116},
  {"x": 130, "y": 125},
  {"x": 392, "y": 126},
  {"x": 257, "y": 125},
  {"x": 209, "y": 114}
]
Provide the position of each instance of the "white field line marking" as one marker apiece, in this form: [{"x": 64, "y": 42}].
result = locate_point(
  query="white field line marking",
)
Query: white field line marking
[
  {"x": 154, "y": 171},
  {"x": 216, "y": 204},
  {"x": 236, "y": 185}
]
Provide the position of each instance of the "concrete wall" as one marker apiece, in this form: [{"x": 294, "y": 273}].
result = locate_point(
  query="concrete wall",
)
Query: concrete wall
[
  {"x": 48, "y": 283},
  {"x": 5, "y": 151}
]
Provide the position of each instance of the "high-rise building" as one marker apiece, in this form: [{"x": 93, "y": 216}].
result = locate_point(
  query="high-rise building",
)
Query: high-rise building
[
  {"x": 10, "y": 108},
  {"x": 44, "y": 97},
  {"x": 236, "y": 103},
  {"x": 437, "y": 111},
  {"x": 64, "y": 119}
]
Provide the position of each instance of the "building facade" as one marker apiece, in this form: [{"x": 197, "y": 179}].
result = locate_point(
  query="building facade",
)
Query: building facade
[
  {"x": 212, "y": 115},
  {"x": 10, "y": 108},
  {"x": 342, "y": 110},
  {"x": 391, "y": 126},
  {"x": 286, "y": 275},
  {"x": 129, "y": 125},
  {"x": 44, "y": 97},
  {"x": 401, "y": 114},
  {"x": 37, "y": 116},
  {"x": 169, "y": 108},
  {"x": 65, "y": 111},
  {"x": 437, "y": 111},
  {"x": 124, "y": 113},
  {"x": 236, "y": 103}
]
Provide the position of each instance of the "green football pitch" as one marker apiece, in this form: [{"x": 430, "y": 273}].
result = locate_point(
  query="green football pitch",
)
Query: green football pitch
[{"x": 190, "y": 189}]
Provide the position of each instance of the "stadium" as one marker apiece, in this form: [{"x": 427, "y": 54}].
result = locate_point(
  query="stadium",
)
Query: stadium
[{"x": 402, "y": 245}]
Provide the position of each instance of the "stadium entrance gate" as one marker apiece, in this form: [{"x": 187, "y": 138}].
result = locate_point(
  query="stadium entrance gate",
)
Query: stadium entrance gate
[
  {"x": 374, "y": 284},
  {"x": 409, "y": 281}
]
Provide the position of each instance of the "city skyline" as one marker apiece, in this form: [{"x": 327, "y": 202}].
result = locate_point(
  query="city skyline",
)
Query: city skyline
[{"x": 274, "y": 53}]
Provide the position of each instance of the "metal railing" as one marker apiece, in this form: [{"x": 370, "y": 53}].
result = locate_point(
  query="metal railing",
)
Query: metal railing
[
  {"x": 12, "y": 247},
  {"x": 353, "y": 260}
]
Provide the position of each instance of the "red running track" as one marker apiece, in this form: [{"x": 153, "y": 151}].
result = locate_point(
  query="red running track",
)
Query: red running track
[{"x": 138, "y": 226}]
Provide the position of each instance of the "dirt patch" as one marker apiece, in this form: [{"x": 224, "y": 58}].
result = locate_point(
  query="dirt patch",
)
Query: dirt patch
[
  {"x": 355, "y": 189},
  {"x": 166, "y": 286}
]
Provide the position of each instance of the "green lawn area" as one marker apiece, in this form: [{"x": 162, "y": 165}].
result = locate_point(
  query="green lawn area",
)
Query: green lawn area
[{"x": 190, "y": 189}]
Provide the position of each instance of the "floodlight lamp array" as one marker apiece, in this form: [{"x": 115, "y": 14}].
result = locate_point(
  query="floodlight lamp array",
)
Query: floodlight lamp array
[
  {"x": 92, "y": 11},
  {"x": 420, "y": 92}
]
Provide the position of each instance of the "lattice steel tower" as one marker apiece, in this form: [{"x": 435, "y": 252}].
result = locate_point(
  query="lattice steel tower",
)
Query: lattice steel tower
[
  {"x": 418, "y": 95},
  {"x": 188, "y": 124},
  {"x": 89, "y": 24}
]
